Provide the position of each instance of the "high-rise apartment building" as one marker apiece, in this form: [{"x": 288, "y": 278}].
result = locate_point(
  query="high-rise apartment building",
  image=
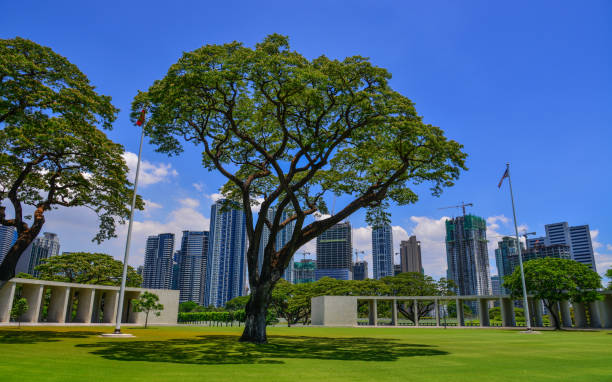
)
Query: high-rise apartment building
[
  {"x": 382, "y": 251},
  {"x": 8, "y": 236},
  {"x": 157, "y": 273},
  {"x": 334, "y": 253},
  {"x": 282, "y": 238},
  {"x": 578, "y": 238},
  {"x": 496, "y": 285},
  {"x": 397, "y": 269},
  {"x": 410, "y": 255},
  {"x": 41, "y": 248},
  {"x": 304, "y": 271},
  {"x": 467, "y": 255},
  {"x": 504, "y": 254},
  {"x": 360, "y": 270},
  {"x": 192, "y": 269},
  {"x": 176, "y": 269},
  {"x": 226, "y": 262}
]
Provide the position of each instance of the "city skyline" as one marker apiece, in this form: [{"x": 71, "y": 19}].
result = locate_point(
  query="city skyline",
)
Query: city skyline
[{"x": 541, "y": 111}]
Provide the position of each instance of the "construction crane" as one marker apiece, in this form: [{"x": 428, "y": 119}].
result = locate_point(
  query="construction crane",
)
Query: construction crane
[{"x": 462, "y": 206}]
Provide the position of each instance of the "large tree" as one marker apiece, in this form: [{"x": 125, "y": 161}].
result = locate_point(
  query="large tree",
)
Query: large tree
[
  {"x": 289, "y": 131},
  {"x": 417, "y": 284},
  {"x": 553, "y": 280},
  {"x": 52, "y": 152},
  {"x": 87, "y": 268}
]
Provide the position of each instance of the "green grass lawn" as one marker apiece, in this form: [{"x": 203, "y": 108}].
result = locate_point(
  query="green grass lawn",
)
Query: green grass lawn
[{"x": 303, "y": 354}]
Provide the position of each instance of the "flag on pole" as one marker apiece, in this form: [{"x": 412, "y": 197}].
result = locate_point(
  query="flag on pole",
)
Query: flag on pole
[
  {"x": 141, "y": 118},
  {"x": 503, "y": 177}
]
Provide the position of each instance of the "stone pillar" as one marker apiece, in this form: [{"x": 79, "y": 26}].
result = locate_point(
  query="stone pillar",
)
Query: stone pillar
[
  {"x": 460, "y": 316},
  {"x": 373, "y": 313},
  {"x": 34, "y": 294},
  {"x": 507, "y": 312},
  {"x": 579, "y": 314},
  {"x": 595, "y": 314},
  {"x": 111, "y": 300},
  {"x": 535, "y": 308},
  {"x": 85, "y": 307},
  {"x": 415, "y": 310},
  {"x": 394, "y": 313},
  {"x": 483, "y": 312},
  {"x": 95, "y": 312},
  {"x": 437, "y": 308},
  {"x": 606, "y": 310},
  {"x": 56, "y": 311},
  {"x": 565, "y": 314},
  {"x": 7, "y": 293}
]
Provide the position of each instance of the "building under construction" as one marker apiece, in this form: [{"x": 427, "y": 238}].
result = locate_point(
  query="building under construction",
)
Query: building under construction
[{"x": 467, "y": 255}]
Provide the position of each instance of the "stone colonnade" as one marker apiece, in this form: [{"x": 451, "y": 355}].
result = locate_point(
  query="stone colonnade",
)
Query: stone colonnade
[
  {"x": 342, "y": 310},
  {"x": 77, "y": 303}
]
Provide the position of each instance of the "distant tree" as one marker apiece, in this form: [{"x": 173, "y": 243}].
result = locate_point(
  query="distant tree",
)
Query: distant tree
[
  {"x": 292, "y": 131},
  {"x": 87, "y": 268},
  {"x": 417, "y": 284},
  {"x": 553, "y": 280},
  {"x": 22, "y": 275},
  {"x": 148, "y": 303},
  {"x": 609, "y": 276},
  {"x": 237, "y": 303},
  {"x": 190, "y": 306},
  {"x": 52, "y": 153},
  {"x": 452, "y": 309},
  {"x": 20, "y": 307}
]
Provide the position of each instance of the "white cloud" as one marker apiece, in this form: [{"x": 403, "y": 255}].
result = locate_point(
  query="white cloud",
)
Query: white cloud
[
  {"x": 150, "y": 173},
  {"x": 214, "y": 197},
  {"x": 432, "y": 235},
  {"x": 609, "y": 247},
  {"x": 198, "y": 186},
  {"x": 76, "y": 227}
]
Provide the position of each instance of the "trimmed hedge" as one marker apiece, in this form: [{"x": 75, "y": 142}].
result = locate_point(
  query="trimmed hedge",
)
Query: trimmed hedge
[{"x": 218, "y": 318}]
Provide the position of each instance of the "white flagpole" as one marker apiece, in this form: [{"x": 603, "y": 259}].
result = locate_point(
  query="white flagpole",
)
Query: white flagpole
[
  {"x": 520, "y": 256},
  {"x": 127, "y": 244}
]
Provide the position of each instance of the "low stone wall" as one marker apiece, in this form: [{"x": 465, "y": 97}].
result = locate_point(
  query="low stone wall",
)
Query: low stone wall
[
  {"x": 342, "y": 310},
  {"x": 96, "y": 304}
]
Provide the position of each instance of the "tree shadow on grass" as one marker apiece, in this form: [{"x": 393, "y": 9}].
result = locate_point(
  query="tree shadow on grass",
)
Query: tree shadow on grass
[
  {"x": 223, "y": 349},
  {"x": 35, "y": 336}
]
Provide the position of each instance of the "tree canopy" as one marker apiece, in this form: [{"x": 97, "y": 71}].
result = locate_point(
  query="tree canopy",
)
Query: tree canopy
[
  {"x": 52, "y": 151},
  {"x": 553, "y": 280},
  {"x": 290, "y": 131},
  {"x": 609, "y": 276},
  {"x": 147, "y": 303},
  {"x": 87, "y": 268}
]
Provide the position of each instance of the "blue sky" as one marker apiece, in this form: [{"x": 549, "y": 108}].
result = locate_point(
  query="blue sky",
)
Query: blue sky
[{"x": 521, "y": 82}]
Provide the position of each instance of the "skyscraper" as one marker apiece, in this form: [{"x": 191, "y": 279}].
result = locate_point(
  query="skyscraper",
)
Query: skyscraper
[
  {"x": 397, "y": 269},
  {"x": 157, "y": 272},
  {"x": 176, "y": 269},
  {"x": 41, "y": 248},
  {"x": 505, "y": 252},
  {"x": 304, "y": 271},
  {"x": 496, "y": 285},
  {"x": 467, "y": 255},
  {"x": 8, "y": 236},
  {"x": 226, "y": 261},
  {"x": 578, "y": 238},
  {"x": 410, "y": 255},
  {"x": 506, "y": 255},
  {"x": 382, "y": 251},
  {"x": 192, "y": 269},
  {"x": 334, "y": 253},
  {"x": 360, "y": 270},
  {"x": 282, "y": 238}
]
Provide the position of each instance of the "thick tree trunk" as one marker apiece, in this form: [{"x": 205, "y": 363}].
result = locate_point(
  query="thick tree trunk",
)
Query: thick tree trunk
[
  {"x": 554, "y": 315},
  {"x": 25, "y": 238},
  {"x": 7, "y": 268},
  {"x": 256, "y": 312}
]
